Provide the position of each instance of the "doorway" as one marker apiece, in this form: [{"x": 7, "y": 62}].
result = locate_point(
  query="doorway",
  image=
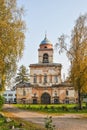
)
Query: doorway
[{"x": 45, "y": 98}]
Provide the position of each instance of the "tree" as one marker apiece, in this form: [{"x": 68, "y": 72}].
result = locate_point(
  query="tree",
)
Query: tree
[
  {"x": 12, "y": 37},
  {"x": 2, "y": 100},
  {"x": 77, "y": 54},
  {"x": 22, "y": 75}
]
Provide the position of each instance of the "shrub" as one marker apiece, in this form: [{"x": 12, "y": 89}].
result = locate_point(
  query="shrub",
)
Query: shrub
[
  {"x": 75, "y": 108},
  {"x": 46, "y": 107},
  {"x": 1, "y": 101},
  {"x": 64, "y": 108},
  {"x": 52, "y": 107},
  {"x": 48, "y": 123}
]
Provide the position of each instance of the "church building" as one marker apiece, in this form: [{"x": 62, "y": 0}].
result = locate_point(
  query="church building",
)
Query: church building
[{"x": 46, "y": 85}]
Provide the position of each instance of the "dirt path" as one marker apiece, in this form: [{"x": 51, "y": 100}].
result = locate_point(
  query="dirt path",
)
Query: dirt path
[{"x": 65, "y": 122}]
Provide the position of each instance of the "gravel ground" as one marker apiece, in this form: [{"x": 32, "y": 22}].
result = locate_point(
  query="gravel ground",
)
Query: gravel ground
[{"x": 65, "y": 122}]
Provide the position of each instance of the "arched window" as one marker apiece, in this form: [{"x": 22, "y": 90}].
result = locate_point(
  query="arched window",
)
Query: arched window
[
  {"x": 50, "y": 79},
  {"x": 56, "y": 79},
  {"x": 45, "y": 58},
  {"x": 45, "y": 78},
  {"x": 40, "y": 78},
  {"x": 55, "y": 93},
  {"x": 35, "y": 78},
  {"x": 67, "y": 92},
  {"x": 24, "y": 93}
]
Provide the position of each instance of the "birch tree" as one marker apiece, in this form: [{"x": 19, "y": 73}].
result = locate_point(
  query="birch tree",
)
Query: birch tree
[
  {"x": 77, "y": 54},
  {"x": 12, "y": 36}
]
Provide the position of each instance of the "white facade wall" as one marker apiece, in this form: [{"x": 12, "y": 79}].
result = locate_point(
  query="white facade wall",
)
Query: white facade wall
[
  {"x": 49, "y": 71},
  {"x": 10, "y": 96},
  {"x": 71, "y": 93}
]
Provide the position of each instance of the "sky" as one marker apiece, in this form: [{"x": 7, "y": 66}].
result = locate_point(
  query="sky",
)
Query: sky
[{"x": 53, "y": 17}]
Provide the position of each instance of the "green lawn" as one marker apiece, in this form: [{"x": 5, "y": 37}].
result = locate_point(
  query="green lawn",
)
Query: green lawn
[{"x": 53, "y": 108}]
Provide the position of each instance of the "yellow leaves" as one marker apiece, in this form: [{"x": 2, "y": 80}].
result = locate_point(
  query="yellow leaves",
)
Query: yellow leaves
[
  {"x": 11, "y": 37},
  {"x": 79, "y": 54}
]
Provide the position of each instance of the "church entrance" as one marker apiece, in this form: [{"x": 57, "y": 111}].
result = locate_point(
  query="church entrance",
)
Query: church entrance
[{"x": 45, "y": 98}]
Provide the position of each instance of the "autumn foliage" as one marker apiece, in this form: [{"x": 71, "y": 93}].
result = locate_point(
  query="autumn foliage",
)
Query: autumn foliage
[
  {"x": 11, "y": 38},
  {"x": 77, "y": 54}
]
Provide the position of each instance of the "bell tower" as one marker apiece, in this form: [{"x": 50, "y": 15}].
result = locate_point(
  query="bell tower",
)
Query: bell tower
[{"x": 45, "y": 51}]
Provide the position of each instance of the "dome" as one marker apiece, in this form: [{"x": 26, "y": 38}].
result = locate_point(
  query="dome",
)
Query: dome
[{"x": 45, "y": 41}]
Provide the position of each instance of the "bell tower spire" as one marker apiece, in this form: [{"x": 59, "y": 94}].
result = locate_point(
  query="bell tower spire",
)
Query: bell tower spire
[
  {"x": 45, "y": 34},
  {"x": 45, "y": 52}
]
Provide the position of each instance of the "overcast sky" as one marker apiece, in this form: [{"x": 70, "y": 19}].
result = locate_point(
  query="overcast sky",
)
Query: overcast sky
[{"x": 54, "y": 17}]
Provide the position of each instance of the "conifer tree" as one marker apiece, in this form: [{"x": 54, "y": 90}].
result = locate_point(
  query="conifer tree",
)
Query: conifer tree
[{"x": 22, "y": 75}]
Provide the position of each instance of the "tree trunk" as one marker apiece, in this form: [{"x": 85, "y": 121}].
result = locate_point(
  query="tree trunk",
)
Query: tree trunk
[
  {"x": 3, "y": 78},
  {"x": 79, "y": 100}
]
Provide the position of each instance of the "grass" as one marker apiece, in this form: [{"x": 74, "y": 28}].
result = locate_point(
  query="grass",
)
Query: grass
[
  {"x": 17, "y": 123},
  {"x": 56, "y": 109},
  {"x": 53, "y": 108}
]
